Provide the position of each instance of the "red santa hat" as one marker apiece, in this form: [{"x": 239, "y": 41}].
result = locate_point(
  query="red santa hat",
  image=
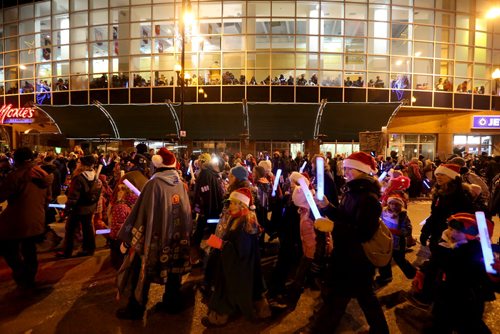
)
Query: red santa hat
[
  {"x": 400, "y": 183},
  {"x": 243, "y": 195},
  {"x": 164, "y": 158},
  {"x": 396, "y": 198},
  {"x": 362, "y": 162},
  {"x": 450, "y": 170},
  {"x": 466, "y": 223}
]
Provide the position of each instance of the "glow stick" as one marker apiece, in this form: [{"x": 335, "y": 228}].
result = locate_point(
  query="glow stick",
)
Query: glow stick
[
  {"x": 132, "y": 187},
  {"x": 426, "y": 184},
  {"x": 98, "y": 171},
  {"x": 484, "y": 238},
  {"x": 190, "y": 168},
  {"x": 57, "y": 206},
  {"x": 276, "y": 181},
  {"x": 320, "y": 176},
  {"x": 303, "y": 166},
  {"x": 422, "y": 223},
  {"x": 382, "y": 176},
  {"x": 213, "y": 221},
  {"x": 249, "y": 169},
  {"x": 104, "y": 162},
  {"x": 103, "y": 231},
  {"x": 109, "y": 160},
  {"x": 309, "y": 198}
]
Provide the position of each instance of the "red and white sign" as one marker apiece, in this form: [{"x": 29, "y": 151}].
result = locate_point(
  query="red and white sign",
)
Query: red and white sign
[{"x": 9, "y": 115}]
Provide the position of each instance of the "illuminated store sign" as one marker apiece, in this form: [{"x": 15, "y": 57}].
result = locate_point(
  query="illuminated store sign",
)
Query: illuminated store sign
[
  {"x": 486, "y": 122},
  {"x": 9, "y": 115}
]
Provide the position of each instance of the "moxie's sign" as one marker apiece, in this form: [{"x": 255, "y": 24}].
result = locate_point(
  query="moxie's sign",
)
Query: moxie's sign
[
  {"x": 9, "y": 115},
  {"x": 486, "y": 122}
]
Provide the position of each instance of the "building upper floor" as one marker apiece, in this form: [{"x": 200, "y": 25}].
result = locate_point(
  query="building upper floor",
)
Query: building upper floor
[{"x": 363, "y": 50}]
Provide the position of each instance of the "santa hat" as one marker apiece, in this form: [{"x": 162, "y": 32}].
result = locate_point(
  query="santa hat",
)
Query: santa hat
[
  {"x": 466, "y": 223},
  {"x": 400, "y": 183},
  {"x": 164, "y": 158},
  {"x": 450, "y": 170},
  {"x": 362, "y": 162},
  {"x": 244, "y": 195},
  {"x": 396, "y": 198}
]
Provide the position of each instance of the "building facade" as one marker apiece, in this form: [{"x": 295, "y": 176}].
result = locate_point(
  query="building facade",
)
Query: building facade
[{"x": 435, "y": 57}]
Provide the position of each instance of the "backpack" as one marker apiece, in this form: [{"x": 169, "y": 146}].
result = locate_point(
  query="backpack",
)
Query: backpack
[
  {"x": 92, "y": 191},
  {"x": 379, "y": 248}
]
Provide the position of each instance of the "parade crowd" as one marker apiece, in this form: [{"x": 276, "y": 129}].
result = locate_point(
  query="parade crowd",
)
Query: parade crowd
[{"x": 163, "y": 214}]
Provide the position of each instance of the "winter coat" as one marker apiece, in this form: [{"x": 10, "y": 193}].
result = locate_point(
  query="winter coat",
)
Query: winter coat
[
  {"x": 356, "y": 221},
  {"x": 80, "y": 184},
  {"x": 209, "y": 193},
  {"x": 27, "y": 191},
  {"x": 158, "y": 229},
  {"x": 56, "y": 175},
  {"x": 452, "y": 199},
  {"x": 308, "y": 234}
]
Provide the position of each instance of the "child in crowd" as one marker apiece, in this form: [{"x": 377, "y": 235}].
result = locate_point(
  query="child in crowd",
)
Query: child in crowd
[
  {"x": 315, "y": 244},
  {"x": 459, "y": 303},
  {"x": 239, "y": 285},
  {"x": 395, "y": 217}
]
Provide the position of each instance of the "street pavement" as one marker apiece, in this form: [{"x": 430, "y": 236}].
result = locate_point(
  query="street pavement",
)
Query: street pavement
[{"x": 78, "y": 295}]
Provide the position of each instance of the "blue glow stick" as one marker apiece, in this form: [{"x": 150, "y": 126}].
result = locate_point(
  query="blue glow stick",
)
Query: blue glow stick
[
  {"x": 303, "y": 166},
  {"x": 382, "y": 176},
  {"x": 57, "y": 206},
  {"x": 213, "y": 221},
  {"x": 103, "y": 231},
  {"x": 426, "y": 184},
  {"x": 190, "y": 167},
  {"x": 309, "y": 198},
  {"x": 484, "y": 238},
  {"x": 320, "y": 176},
  {"x": 276, "y": 181},
  {"x": 104, "y": 162},
  {"x": 132, "y": 187}
]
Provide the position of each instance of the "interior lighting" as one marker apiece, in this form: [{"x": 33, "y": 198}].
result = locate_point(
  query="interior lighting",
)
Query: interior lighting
[
  {"x": 493, "y": 13},
  {"x": 496, "y": 74}
]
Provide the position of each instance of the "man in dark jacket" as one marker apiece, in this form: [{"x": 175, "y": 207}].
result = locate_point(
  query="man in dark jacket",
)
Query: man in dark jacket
[
  {"x": 350, "y": 273},
  {"x": 81, "y": 206},
  {"x": 27, "y": 190},
  {"x": 208, "y": 196}
]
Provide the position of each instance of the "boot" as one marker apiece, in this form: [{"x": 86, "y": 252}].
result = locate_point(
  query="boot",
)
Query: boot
[
  {"x": 214, "y": 319},
  {"x": 133, "y": 311}
]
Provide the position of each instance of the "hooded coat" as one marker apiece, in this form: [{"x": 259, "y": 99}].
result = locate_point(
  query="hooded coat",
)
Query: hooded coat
[
  {"x": 27, "y": 191},
  {"x": 158, "y": 230}
]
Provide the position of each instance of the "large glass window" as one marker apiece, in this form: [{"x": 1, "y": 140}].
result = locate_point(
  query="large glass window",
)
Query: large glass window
[{"x": 475, "y": 144}]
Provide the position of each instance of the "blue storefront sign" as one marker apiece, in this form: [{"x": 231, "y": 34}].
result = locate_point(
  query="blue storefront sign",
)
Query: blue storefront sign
[{"x": 486, "y": 122}]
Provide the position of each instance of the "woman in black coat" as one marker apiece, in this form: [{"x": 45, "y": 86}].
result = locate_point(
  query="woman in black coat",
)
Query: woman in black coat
[{"x": 350, "y": 273}]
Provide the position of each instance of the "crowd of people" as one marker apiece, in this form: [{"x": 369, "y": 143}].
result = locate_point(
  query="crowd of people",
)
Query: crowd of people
[{"x": 164, "y": 214}]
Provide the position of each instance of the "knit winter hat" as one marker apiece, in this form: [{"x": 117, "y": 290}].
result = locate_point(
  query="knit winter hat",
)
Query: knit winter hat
[
  {"x": 299, "y": 198},
  {"x": 204, "y": 159},
  {"x": 450, "y": 170},
  {"x": 240, "y": 173},
  {"x": 458, "y": 161},
  {"x": 295, "y": 176},
  {"x": 164, "y": 158},
  {"x": 243, "y": 195},
  {"x": 466, "y": 223},
  {"x": 267, "y": 165},
  {"x": 362, "y": 162},
  {"x": 87, "y": 160},
  {"x": 396, "y": 198}
]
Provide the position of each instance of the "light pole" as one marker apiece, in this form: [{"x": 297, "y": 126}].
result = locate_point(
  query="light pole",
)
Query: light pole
[
  {"x": 496, "y": 76},
  {"x": 186, "y": 18}
]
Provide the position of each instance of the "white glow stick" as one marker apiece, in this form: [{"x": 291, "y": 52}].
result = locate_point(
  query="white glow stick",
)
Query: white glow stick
[
  {"x": 213, "y": 221},
  {"x": 98, "y": 171},
  {"x": 57, "y": 206},
  {"x": 103, "y": 231},
  {"x": 190, "y": 168},
  {"x": 276, "y": 181},
  {"x": 303, "y": 166},
  {"x": 104, "y": 162},
  {"x": 249, "y": 169},
  {"x": 422, "y": 223},
  {"x": 382, "y": 176},
  {"x": 309, "y": 198},
  {"x": 484, "y": 238},
  {"x": 132, "y": 187},
  {"x": 320, "y": 176}
]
